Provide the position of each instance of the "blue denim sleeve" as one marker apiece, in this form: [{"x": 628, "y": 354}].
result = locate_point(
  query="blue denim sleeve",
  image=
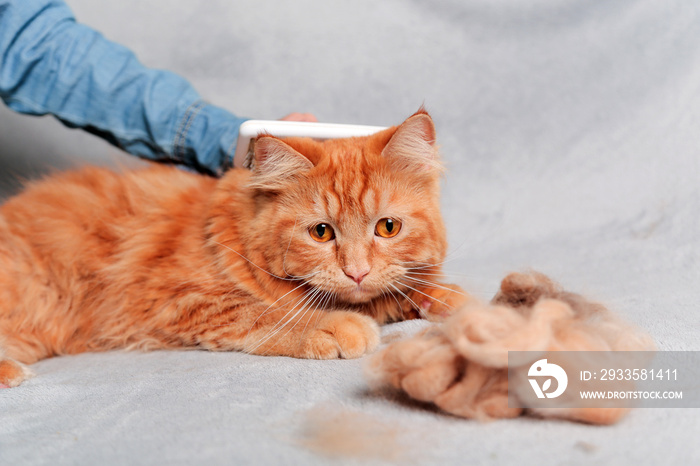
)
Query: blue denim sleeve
[{"x": 50, "y": 64}]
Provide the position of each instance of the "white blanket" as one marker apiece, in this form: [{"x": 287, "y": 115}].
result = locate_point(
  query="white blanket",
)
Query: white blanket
[{"x": 570, "y": 132}]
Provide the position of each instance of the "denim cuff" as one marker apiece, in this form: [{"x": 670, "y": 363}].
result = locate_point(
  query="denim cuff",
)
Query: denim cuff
[{"x": 205, "y": 138}]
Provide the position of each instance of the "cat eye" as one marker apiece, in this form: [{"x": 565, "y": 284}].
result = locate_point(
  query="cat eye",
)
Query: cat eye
[
  {"x": 387, "y": 228},
  {"x": 322, "y": 232}
]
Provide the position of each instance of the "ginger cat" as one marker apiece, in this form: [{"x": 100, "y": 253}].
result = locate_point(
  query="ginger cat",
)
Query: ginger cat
[{"x": 301, "y": 256}]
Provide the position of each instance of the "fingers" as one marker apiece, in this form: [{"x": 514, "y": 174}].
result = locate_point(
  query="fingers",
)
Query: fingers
[{"x": 300, "y": 117}]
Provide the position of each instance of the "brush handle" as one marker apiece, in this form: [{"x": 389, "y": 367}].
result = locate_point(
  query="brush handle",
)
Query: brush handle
[{"x": 253, "y": 128}]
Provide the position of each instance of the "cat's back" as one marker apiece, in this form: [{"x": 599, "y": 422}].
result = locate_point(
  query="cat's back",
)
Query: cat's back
[
  {"x": 71, "y": 210},
  {"x": 91, "y": 191}
]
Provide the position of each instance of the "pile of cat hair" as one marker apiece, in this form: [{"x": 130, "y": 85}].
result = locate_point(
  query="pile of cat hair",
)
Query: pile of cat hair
[{"x": 461, "y": 365}]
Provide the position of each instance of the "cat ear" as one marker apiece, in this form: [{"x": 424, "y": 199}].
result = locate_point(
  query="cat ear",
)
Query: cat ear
[
  {"x": 412, "y": 147},
  {"x": 276, "y": 163}
]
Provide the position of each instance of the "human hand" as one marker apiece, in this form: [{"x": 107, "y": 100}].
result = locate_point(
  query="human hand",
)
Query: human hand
[{"x": 300, "y": 117}]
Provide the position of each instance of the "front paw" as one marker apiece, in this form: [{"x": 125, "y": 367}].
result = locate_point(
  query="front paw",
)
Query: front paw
[
  {"x": 341, "y": 334},
  {"x": 436, "y": 304},
  {"x": 13, "y": 373}
]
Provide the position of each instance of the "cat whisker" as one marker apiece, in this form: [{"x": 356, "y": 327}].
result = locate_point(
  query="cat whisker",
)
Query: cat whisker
[
  {"x": 291, "y": 278},
  {"x": 279, "y": 326},
  {"x": 398, "y": 304},
  {"x": 418, "y": 308},
  {"x": 281, "y": 323},
  {"x": 486, "y": 290},
  {"x": 445, "y": 275},
  {"x": 454, "y": 251},
  {"x": 270, "y": 307},
  {"x": 319, "y": 306},
  {"x": 416, "y": 265},
  {"x": 433, "y": 284},
  {"x": 313, "y": 301},
  {"x": 299, "y": 301},
  {"x": 324, "y": 303},
  {"x": 423, "y": 264},
  {"x": 424, "y": 294},
  {"x": 439, "y": 274},
  {"x": 319, "y": 303}
]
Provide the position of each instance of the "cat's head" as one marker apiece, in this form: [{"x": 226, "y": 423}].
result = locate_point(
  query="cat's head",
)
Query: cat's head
[{"x": 349, "y": 216}]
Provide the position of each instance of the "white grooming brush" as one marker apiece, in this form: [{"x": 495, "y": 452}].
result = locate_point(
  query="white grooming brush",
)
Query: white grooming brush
[{"x": 251, "y": 129}]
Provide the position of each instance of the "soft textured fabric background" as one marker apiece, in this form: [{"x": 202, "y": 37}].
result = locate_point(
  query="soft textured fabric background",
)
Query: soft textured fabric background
[{"x": 570, "y": 131}]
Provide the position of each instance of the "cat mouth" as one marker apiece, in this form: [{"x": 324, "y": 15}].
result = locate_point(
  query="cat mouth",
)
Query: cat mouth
[{"x": 359, "y": 294}]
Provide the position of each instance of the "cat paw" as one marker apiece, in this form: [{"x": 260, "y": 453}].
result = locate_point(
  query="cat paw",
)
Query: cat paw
[
  {"x": 436, "y": 304},
  {"x": 341, "y": 334},
  {"x": 13, "y": 373}
]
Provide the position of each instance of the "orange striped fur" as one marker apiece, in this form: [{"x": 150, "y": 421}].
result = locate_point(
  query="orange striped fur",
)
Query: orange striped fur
[{"x": 92, "y": 260}]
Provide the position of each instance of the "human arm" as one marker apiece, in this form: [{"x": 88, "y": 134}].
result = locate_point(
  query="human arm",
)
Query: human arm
[{"x": 50, "y": 64}]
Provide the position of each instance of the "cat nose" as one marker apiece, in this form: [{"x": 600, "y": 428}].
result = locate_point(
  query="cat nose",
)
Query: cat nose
[{"x": 357, "y": 275}]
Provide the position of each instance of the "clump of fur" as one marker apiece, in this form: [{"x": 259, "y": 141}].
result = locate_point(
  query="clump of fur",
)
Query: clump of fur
[{"x": 462, "y": 365}]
